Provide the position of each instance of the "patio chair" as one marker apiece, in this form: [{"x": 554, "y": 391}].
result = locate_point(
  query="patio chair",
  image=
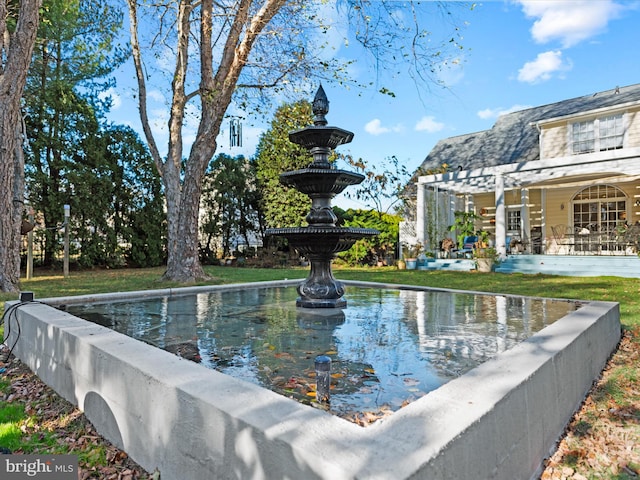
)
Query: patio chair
[
  {"x": 563, "y": 238},
  {"x": 631, "y": 239},
  {"x": 468, "y": 244}
]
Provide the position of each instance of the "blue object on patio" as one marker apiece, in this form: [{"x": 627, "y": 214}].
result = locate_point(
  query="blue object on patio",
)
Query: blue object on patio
[{"x": 467, "y": 246}]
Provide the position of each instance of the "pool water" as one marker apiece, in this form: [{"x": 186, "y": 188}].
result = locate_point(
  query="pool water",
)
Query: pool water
[{"x": 388, "y": 347}]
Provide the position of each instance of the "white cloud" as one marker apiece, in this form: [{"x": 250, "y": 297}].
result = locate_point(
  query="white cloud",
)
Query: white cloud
[
  {"x": 156, "y": 95},
  {"x": 542, "y": 68},
  {"x": 428, "y": 124},
  {"x": 374, "y": 127},
  {"x": 496, "y": 112},
  {"x": 569, "y": 21},
  {"x": 487, "y": 113}
]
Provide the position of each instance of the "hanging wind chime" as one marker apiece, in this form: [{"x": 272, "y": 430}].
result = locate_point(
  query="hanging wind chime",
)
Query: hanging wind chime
[{"x": 235, "y": 132}]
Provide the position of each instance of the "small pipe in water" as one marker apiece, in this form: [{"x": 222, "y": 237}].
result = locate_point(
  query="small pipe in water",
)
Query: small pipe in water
[{"x": 323, "y": 378}]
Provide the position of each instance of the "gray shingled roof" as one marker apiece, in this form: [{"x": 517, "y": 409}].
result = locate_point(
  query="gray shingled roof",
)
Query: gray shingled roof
[{"x": 513, "y": 139}]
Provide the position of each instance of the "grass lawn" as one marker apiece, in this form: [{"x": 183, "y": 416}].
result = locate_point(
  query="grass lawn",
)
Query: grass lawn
[{"x": 601, "y": 442}]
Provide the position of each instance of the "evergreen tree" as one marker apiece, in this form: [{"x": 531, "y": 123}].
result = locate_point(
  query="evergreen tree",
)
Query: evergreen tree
[
  {"x": 118, "y": 215},
  {"x": 283, "y": 206},
  {"x": 75, "y": 52},
  {"x": 231, "y": 211}
]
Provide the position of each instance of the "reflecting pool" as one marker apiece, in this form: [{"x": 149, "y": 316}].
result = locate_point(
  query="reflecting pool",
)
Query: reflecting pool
[{"x": 389, "y": 347}]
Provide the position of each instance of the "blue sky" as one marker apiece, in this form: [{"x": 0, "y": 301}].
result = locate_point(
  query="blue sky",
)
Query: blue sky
[{"x": 517, "y": 54}]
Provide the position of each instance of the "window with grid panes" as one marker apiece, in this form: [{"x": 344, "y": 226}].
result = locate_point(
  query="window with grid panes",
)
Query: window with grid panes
[
  {"x": 582, "y": 137},
  {"x": 513, "y": 220},
  {"x": 611, "y": 132},
  {"x": 604, "y": 133},
  {"x": 599, "y": 208}
]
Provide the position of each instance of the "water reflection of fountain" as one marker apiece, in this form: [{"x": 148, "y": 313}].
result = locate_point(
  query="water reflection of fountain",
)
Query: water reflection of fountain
[{"x": 321, "y": 240}]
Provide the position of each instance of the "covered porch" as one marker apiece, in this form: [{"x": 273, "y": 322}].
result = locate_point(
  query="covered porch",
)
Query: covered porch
[{"x": 570, "y": 206}]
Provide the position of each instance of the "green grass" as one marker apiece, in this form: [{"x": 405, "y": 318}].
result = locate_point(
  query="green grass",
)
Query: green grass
[
  {"x": 623, "y": 290},
  {"x": 11, "y": 416}
]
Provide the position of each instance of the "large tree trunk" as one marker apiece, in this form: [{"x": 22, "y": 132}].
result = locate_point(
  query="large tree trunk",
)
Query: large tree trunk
[
  {"x": 183, "y": 262},
  {"x": 16, "y": 48}
]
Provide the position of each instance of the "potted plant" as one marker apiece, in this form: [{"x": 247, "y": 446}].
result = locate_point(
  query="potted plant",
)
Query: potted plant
[
  {"x": 464, "y": 225},
  {"x": 485, "y": 258},
  {"x": 410, "y": 254},
  {"x": 483, "y": 238}
]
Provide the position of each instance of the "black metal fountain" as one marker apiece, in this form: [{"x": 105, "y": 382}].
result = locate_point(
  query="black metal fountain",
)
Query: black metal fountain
[{"x": 321, "y": 240}]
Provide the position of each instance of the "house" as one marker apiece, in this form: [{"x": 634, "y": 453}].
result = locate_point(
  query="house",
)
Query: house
[{"x": 558, "y": 179}]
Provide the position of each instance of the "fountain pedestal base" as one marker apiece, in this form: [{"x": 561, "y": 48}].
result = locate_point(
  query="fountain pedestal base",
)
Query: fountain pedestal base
[{"x": 321, "y": 289}]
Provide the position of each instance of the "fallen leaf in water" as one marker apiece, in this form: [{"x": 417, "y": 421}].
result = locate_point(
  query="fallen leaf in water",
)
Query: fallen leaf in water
[
  {"x": 291, "y": 383},
  {"x": 283, "y": 355}
]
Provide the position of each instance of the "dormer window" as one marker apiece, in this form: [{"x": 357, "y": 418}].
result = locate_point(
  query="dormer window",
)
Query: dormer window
[
  {"x": 582, "y": 136},
  {"x": 604, "y": 133},
  {"x": 611, "y": 132}
]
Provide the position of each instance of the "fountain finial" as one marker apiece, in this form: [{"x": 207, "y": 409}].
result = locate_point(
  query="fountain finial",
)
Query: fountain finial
[{"x": 320, "y": 107}]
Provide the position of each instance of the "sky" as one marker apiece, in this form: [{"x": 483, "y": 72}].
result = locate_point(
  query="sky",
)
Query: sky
[{"x": 516, "y": 54}]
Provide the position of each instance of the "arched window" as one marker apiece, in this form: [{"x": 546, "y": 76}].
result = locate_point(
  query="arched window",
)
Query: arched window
[{"x": 597, "y": 211}]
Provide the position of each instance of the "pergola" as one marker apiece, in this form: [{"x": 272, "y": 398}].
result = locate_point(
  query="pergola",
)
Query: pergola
[{"x": 621, "y": 165}]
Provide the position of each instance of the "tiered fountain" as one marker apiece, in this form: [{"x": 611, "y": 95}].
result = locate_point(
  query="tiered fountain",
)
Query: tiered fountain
[{"x": 321, "y": 240}]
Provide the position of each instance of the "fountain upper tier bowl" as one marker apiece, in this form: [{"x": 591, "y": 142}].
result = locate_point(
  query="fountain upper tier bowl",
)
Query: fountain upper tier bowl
[{"x": 321, "y": 136}]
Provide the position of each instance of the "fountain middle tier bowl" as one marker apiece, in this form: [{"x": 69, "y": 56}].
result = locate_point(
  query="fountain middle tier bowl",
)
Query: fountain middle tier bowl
[
  {"x": 315, "y": 239},
  {"x": 312, "y": 181}
]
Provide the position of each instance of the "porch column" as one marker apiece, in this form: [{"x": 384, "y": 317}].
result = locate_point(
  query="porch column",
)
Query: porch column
[
  {"x": 420, "y": 213},
  {"x": 451, "y": 213},
  {"x": 525, "y": 219},
  {"x": 447, "y": 207},
  {"x": 468, "y": 202},
  {"x": 543, "y": 217},
  {"x": 501, "y": 230}
]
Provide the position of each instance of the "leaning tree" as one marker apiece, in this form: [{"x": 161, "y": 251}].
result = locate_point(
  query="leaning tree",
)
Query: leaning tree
[
  {"x": 204, "y": 54},
  {"x": 18, "y": 28}
]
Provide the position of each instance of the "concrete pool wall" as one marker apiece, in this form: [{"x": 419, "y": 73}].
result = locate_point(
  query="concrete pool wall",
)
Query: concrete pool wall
[{"x": 499, "y": 421}]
